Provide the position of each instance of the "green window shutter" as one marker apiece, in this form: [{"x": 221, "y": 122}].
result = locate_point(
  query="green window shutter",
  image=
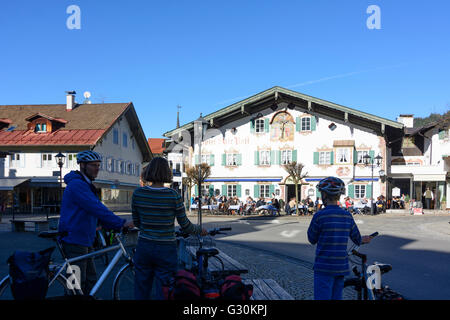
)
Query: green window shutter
[
  {"x": 355, "y": 156},
  {"x": 239, "y": 159},
  {"x": 238, "y": 190},
  {"x": 372, "y": 154},
  {"x": 332, "y": 157},
  {"x": 313, "y": 123},
  {"x": 272, "y": 157},
  {"x": 256, "y": 158},
  {"x": 256, "y": 191},
  {"x": 252, "y": 126},
  {"x": 318, "y": 194},
  {"x": 197, "y": 159},
  {"x": 224, "y": 189},
  {"x": 351, "y": 190},
  {"x": 441, "y": 134},
  {"x": 294, "y": 155},
  {"x": 211, "y": 160},
  {"x": 369, "y": 191},
  {"x": 266, "y": 125},
  {"x": 271, "y": 189},
  {"x": 196, "y": 191},
  {"x": 211, "y": 190},
  {"x": 316, "y": 158},
  {"x": 279, "y": 157},
  {"x": 224, "y": 159},
  {"x": 298, "y": 123}
]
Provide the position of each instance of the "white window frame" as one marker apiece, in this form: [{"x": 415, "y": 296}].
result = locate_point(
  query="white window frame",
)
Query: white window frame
[
  {"x": 360, "y": 191},
  {"x": 360, "y": 156},
  {"x": 339, "y": 152},
  {"x": 324, "y": 157},
  {"x": 259, "y": 125},
  {"x": 305, "y": 124},
  {"x": 205, "y": 159},
  {"x": 264, "y": 190},
  {"x": 46, "y": 162},
  {"x": 262, "y": 158},
  {"x": 232, "y": 159},
  {"x": 286, "y": 156},
  {"x": 231, "y": 190},
  {"x": 14, "y": 160},
  {"x": 71, "y": 163},
  {"x": 41, "y": 127}
]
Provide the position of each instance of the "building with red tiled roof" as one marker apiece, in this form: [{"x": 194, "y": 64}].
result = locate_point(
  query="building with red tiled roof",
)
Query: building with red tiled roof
[
  {"x": 157, "y": 145},
  {"x": 32, "y": 135}
]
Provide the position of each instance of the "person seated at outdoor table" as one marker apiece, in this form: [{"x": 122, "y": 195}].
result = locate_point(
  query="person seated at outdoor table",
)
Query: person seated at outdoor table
[
  {"x": 310, "y": 205},
  {"x": 249, "y": 206},
  {"x": 402, "y": 201},
  {"x": 260, "y": 203},
  {"x": 349, "y": 204},
  {"x": 292, "y": 209},
  {"x": 276, "y": 205}
]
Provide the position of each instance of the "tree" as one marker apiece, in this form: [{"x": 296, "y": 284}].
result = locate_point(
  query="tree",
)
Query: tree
[
  {"x": 193, "y": 177},
  {"x": 295, "y": 173}
]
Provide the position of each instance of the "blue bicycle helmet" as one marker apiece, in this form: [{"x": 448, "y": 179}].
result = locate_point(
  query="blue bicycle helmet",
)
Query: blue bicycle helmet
[
  {"x": 88, "y": 156},
  {"x": 332, "y": 186}
]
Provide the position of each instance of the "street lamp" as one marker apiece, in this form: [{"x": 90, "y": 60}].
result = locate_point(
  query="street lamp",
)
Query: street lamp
[
  {"x": 60, "y": 162},
  {"x": 372, "y": 162},
  {"x": 200, "y": 126}
]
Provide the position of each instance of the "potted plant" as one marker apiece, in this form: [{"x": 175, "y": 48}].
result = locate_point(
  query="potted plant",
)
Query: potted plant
[{"x": 444, "y": 203}]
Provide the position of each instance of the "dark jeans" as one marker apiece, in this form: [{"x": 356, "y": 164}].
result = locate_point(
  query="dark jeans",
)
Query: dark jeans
[
  {"x": 328, "y": 287},
  {"x": 87, "y": 267},
  {"x": 154, "y": 263}
]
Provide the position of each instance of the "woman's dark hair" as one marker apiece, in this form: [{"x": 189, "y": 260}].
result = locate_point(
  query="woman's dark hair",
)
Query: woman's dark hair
[{"x": 158, "y": 171}]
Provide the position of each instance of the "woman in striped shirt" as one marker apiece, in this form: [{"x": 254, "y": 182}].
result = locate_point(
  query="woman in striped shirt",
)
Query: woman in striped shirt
[{"x": 154, "y": 209}]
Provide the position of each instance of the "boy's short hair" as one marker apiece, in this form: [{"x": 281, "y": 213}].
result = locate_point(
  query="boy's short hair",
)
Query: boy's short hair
[{"x": 157, "y": 171}]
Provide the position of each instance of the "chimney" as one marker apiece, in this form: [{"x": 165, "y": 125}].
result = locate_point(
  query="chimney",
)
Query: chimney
[
  {"x": 70, "y": 100},
  {"x": 407, "y": 120}
]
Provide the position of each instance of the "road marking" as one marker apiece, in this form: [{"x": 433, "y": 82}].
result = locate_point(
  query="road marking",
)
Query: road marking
[
  {"x": 274, "y": 221},
  {"x": 359, "y": 222},
  {"x": 289, "y": 234}
]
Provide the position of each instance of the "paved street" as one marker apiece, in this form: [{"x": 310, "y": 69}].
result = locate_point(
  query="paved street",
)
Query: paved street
[{"x": 277, "y": 248}]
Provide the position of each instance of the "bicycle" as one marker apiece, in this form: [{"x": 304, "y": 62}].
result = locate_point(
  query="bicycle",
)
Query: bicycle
[
  {"x": 104, "y": 238},
  {"x": 209, "y": 284},
  {"x": 60, "y": 286},
  {"x": 367, "y": 281}
]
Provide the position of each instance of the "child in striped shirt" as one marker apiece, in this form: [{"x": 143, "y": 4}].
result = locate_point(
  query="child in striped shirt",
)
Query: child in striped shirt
[{"x": 330, "y": 229}]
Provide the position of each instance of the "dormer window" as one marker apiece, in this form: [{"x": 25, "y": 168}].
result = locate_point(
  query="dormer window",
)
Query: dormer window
[{"x": 41, "y": 123}]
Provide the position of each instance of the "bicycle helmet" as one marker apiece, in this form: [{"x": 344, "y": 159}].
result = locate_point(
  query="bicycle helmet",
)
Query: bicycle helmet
[
  {"x": 332, "y": 186},
  {"x": 88, "y": 156}
]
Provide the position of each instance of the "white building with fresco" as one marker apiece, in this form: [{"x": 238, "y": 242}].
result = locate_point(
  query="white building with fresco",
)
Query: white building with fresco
[{"x": 248, "y": 142}]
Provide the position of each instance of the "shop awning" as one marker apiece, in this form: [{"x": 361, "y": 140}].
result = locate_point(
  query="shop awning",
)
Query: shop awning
[
  {"x": 9, "y": 184},
  {"x": 429, "y": 177}
]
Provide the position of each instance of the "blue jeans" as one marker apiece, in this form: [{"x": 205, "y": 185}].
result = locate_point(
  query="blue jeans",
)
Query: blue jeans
[
  {"x": 154, "y": 263},
  {"x": 328, "y": 287}
]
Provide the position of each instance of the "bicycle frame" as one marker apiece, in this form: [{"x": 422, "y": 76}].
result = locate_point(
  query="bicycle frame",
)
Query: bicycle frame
[
  {"x": 121, "y": 251},
  {"x": 365, "y": 293}
]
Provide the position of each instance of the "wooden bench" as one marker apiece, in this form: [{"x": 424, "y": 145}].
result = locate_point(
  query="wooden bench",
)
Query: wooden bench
[
  {"x": 19, "y": 225},
  {"x": 267, "y": 289},
  {"x": 230, "y": 266}
]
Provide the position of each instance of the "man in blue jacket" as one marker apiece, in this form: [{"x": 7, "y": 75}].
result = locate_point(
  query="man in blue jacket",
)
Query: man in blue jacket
[{"x": 80, "y": 212}]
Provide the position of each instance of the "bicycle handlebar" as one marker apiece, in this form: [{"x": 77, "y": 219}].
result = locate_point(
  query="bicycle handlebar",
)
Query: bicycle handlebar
[{"x": 211, "y": 232}]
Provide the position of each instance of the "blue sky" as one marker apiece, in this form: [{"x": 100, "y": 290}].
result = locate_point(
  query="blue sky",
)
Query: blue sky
[{"x": 205, "y": 55}]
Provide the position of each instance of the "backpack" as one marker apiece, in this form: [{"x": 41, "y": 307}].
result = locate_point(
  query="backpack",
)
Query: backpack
[
  {"x": 234, "y": 289},
  {"x": 28, "y": 272},
  {"x": 184, "y": 286}
]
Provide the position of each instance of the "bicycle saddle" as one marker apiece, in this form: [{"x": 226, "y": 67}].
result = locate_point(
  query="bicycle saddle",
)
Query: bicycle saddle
[
  {"x": 209, "y": 252},
  {"x": 51, "y": 234},
  {"x": 384, "y": 268}
]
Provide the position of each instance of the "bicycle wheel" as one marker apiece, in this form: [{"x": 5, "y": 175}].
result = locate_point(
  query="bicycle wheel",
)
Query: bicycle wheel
[
  {"x": 123, "y": 285},
  {"x": 58, "y": 289}
]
